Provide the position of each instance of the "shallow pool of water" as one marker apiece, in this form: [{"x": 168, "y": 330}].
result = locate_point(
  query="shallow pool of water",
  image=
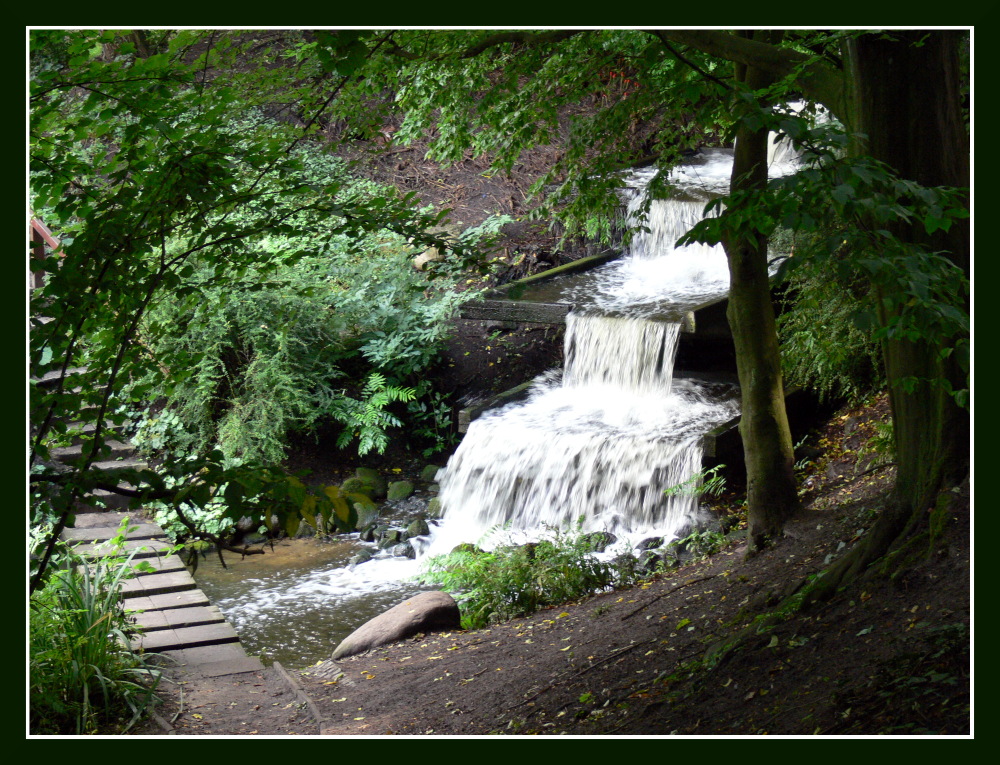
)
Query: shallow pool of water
[{"x": 296, "y": 602}]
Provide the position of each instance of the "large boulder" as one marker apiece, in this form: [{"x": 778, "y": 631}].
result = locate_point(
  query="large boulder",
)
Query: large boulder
[{"x": 426, "y": 612}]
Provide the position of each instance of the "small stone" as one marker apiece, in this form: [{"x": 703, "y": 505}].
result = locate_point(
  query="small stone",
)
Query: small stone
[
  {"x": 429, "y": 473},
  {"x": 399, "y": 490},
  {"x": 434, "y": 508}
]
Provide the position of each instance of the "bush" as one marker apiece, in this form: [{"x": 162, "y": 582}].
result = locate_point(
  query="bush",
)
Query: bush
[
  {"x": 339, "y": 335},
  {"x": 822, "y": 348},
  {"x": 83, "y": 674},
  {"x": 511, "y": 581}
]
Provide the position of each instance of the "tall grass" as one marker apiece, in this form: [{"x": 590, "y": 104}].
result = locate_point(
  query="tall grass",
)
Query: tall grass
[{"x": 84, "y": 676}]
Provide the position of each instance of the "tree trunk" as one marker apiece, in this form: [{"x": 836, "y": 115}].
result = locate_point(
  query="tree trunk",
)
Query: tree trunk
[
  {"x": 908, "y": 104},
  {"x": 767, "y": 442}
]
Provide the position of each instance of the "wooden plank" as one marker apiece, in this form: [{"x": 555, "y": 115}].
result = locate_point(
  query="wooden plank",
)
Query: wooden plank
[
  {"x": 229, "y": 656},
  {"x": 173, "y": 618},
  {"x": 101, "y": 520},
  {"x": 515, "y": 310},
  {"x": 102, "y": 534},
  {"x": 187, "y": 637},
  {"x": 573, "y": 267},
  {"x": 144, "y": 548},
  {"x": 158, "y": 584},
  {"x": 68, "y": 454},
  {"x": 166, "y": 564},
  {"x": 167, "y": 600}
]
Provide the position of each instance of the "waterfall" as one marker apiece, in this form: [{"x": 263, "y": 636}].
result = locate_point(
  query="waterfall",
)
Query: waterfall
[
  {"x": 623, "y": 354},
  {"x": 600, "y": 442},
  {"x": 597, "y": 445}
]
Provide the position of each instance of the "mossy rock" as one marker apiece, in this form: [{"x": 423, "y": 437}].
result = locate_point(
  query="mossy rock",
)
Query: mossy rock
[
  {"x": 373, "y": 477},
  {"x": 399, "y": 490},
  {"x": 390, "y": 538},
  {"x": 403, "y": 550},
  {"x": 429, "y": 473},
  {"x": 358, "y": 485},
  {"x": 418, "y": 528},
  {"x": 367, "y": 515},
  {"x": 434, "y": 508},
  {"x": 599, "y": 541},
  {"x": 466, "y": 547},
  {"x": 362, "y": 556}
]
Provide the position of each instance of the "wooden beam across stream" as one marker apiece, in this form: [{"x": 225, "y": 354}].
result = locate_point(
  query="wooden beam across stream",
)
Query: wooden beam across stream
[{"x": 177, "y": 619}]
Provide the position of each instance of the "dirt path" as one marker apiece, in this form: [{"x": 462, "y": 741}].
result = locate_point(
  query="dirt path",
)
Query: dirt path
[{"x": 888, "y": 656}]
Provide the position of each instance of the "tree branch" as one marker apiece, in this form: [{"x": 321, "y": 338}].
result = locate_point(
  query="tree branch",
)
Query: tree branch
[
  {"x": 500, "y": 38},
  {"x": 818, "y": 80}
]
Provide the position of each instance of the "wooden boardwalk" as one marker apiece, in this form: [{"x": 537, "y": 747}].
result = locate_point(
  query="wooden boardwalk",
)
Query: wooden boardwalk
[{"x": 176, "y": 617}]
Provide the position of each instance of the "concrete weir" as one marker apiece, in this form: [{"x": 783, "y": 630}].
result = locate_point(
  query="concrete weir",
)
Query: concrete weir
[
  {"x": 705, "y": 338},
  {"x": 538, "y": 300}
]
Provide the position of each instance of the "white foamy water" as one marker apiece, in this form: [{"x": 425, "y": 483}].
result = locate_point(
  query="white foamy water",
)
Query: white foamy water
[{"x": 598, "y": 446}]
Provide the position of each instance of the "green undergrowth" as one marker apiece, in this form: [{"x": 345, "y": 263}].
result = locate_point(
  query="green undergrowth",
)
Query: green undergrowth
[
  {"x": 83, "y": 676},
  {"x": 516, "y": 580}
]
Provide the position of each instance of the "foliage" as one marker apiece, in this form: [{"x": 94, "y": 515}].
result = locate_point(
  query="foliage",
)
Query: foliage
[
  {"x": 510, "y": 581},
  {"x": 700, "y": 544},
  {"x": 822, "y": 347},
  {"x": 430, "y": 419},
  {"x": 135, "y": 167},
  {"x": 83, "y": 674},
  {"x": 369, "y": 415},
  {"x": 265, "y": 357},
  {"x": 704, "y": 482},
  {"x": 878, "y": 449},
  {"x": 920, "y": 293}
]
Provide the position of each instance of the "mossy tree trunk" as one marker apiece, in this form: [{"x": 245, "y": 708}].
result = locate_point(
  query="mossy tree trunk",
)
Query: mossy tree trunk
[
  {"x": 908, "y": 105},
  {"x": 767, "y": 443}
]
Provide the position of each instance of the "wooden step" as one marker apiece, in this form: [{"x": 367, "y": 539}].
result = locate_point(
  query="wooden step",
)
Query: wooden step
[
  {"x": 158, "y": 584},
  {"x": 186, "y": 637},
  {"x": 175, "y": 618},
  {"x": 84, "y": 431},
  {"x": 144, "y": 548},
  {"x": 71, "y": 454},
  {"x": 167, "y": 601},
  {"x": 104, "y": 533}
]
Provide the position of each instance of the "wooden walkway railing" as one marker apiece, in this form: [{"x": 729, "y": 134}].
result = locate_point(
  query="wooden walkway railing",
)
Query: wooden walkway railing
[{"x": 40, "y": 238}]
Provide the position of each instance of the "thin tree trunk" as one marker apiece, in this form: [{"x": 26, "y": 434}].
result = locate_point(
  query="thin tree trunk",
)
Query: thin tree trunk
[{"x": 767, "y": 442}]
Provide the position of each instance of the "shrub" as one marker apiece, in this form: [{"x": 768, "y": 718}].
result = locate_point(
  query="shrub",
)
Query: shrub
[
  {"x": 511, "y": 581},
  {"x": 822, "y": 347},
  {"x": 340, "y": 335},
  {"x": 83, "y": 674}
]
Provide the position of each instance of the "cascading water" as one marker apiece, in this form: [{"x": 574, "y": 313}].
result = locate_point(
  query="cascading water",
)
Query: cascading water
[
  {"x": 602, "y": 444},
  {"x": 599, "y": 441},
  {"x": 598, "y": 445}
]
